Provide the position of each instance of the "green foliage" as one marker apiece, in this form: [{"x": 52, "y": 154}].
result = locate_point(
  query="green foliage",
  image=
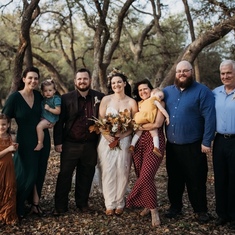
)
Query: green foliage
[
  {"x": 59, "y": 21},
  {"x": 153, "y": 54},
  {"x": 210, "y": 59}
]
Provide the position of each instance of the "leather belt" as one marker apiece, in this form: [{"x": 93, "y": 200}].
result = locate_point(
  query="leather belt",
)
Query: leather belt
[{"x": 227, "y": 136}]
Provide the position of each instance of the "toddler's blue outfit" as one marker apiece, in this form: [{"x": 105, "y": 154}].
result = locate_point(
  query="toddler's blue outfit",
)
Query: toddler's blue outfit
[{"x": 52, "y": 102}]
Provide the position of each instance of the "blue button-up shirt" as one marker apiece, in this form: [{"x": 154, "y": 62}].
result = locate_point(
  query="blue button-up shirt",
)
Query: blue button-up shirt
[
  {"x": 192, "y": 114},
  {"x": 225, "y": 110}
]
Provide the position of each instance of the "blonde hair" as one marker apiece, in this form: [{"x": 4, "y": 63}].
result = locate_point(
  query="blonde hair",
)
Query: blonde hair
[{"x": 157, "y": 92}]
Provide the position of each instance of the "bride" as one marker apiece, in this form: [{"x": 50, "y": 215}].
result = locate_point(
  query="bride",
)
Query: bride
[{"x": 114, "y": 164}]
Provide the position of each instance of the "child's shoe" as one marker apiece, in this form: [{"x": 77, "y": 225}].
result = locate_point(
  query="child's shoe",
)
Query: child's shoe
[{"x": 157, "y": 152}]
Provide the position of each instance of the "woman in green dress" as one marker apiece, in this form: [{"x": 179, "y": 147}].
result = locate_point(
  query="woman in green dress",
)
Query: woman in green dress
[{"x": 30, "y": 166}]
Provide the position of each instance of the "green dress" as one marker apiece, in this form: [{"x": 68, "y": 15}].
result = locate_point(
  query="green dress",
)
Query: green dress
[{"x": 30, "y": 165}]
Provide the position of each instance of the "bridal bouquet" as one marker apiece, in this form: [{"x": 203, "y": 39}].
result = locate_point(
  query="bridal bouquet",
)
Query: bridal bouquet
[{"x": 112, "y": 124}]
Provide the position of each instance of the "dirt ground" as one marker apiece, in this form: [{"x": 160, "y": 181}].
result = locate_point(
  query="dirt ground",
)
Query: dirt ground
[{"x": 97, "y": 223}]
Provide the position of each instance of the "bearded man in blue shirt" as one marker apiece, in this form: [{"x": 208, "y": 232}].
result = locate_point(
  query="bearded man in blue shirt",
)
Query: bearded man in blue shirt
[
  {"x": 191, "y": 107},
  {"x": 224, "y": 146}
]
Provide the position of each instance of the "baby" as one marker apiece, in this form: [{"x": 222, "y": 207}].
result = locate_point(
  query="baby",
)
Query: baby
[
  {"x": 147, "y": 114},
  {"x": 50, "y": 110}
]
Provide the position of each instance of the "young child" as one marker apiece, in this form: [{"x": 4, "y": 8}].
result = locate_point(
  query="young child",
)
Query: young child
[
  {"x": 50, "y": 110},
  {"x": 147, "y": 113},
  {"x": 7, "y": 174}
]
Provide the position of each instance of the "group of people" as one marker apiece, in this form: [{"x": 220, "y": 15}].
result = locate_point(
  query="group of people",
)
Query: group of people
[{"x": 193, "y": 115}]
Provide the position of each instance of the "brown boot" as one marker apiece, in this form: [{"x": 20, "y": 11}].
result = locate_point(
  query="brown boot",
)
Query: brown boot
[{"x": 157, "y": 152}]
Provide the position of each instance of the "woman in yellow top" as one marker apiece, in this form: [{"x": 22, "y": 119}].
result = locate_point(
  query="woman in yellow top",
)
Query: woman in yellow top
[{"x": 147, "y": 114}]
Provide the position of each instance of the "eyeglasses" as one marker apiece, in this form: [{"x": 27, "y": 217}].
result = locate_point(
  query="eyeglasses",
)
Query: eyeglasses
[{"x": 183, "y": 71}]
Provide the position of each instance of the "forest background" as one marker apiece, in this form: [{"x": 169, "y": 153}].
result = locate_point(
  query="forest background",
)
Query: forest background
[{"x": 142, "y": 38}]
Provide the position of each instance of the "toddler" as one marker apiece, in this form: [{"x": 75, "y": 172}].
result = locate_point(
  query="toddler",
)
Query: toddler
[{"x": 50, "y": 110}]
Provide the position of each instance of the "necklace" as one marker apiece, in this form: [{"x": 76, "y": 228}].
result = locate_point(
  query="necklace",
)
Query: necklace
[{"x": 120, "y": 99}]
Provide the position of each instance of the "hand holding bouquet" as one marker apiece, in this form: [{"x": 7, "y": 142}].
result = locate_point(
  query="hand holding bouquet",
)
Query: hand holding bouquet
[{"x": 112, "y": 124}]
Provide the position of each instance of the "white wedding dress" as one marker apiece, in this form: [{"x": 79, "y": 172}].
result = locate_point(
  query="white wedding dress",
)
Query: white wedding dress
[{"x": 114, "y": 167}]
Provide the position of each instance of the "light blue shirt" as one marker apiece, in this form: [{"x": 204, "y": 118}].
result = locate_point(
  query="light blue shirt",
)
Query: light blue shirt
[{"x": 225, "y": 110}]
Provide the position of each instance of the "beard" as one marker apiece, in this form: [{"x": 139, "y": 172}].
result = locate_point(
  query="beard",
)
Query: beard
[
  {"x": 185, "y": 84},
  {"x": 86, "y": 88}
]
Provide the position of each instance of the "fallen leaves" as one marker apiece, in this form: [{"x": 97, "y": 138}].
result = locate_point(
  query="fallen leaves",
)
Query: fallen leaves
[{"x": 97, "y": 223}]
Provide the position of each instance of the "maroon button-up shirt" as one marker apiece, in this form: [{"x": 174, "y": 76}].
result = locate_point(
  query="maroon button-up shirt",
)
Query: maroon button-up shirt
[{"x": 79, "y": 131}]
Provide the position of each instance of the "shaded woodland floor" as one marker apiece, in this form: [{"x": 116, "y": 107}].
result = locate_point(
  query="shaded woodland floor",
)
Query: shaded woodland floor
[{"x": 97, "y": 223}]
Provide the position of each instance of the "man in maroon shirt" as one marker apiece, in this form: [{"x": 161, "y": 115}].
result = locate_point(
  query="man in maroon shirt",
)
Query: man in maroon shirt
[{"x": 76, "y": 144}]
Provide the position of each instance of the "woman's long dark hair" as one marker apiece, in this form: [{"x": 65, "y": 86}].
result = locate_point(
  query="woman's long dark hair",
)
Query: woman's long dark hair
[
  {"x": 127, "y": 88},
  {"x": 136, "y": 91}
]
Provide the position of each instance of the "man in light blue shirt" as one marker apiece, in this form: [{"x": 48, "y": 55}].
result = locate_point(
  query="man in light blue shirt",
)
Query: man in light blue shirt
[
  {"x": 224, "y": 145},
  {"x": 191, "y": 108}
]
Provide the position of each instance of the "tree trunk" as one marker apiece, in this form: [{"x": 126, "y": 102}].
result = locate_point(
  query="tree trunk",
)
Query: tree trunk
[
  {"x": 104, "y": 48},
  {"x": 60, "y": 86},
  {"x": 192, "y": 50},
  {"x": 193, "y": 37},
  {"x": 29, "y": 14}
]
